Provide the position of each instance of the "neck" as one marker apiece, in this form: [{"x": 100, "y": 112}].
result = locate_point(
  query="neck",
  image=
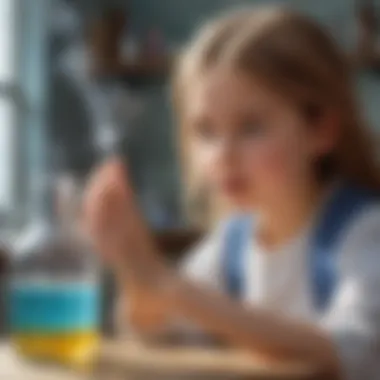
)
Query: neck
[{"x": 283, "y": 218}]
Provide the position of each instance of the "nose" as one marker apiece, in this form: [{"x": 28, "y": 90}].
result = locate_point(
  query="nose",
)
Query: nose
[{"x": 225, "y": 153}]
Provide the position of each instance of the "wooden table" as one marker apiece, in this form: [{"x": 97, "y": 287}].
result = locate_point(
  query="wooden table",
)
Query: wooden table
[
  {"x": 14, "y": 368},
  {"x": 126, "y": 361}
]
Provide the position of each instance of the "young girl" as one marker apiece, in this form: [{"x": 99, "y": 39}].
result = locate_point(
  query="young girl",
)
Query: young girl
[{"x": 272, "y": 131}]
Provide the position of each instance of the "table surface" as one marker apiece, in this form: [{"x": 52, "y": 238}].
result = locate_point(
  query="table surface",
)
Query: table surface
[
  {"x": 14, "y": 368},
  {"x": 131, "y": 358}
]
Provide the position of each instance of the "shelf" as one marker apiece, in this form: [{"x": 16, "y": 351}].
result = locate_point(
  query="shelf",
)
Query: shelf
[{"x": 141, "y": 74}]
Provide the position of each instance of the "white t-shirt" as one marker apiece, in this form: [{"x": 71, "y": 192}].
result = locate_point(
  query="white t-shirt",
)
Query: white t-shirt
[{"x": 280, "y": 280}]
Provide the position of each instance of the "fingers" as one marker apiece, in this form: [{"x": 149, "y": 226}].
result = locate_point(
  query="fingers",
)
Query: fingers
[
  {"x": 113, "y": 173},
  {"x": 106, "y": 201},
  {"x": 107, "y": 189},
  {"x": 112, "y": 219}
]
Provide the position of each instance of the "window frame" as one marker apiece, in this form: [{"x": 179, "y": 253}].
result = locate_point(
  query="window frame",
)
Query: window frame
[
  {"x": 26, "y": 91},
  {"x": 11, "y": 93}
]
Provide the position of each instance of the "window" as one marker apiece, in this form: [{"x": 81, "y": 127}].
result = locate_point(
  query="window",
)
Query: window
[{"x": 8, "y": 109}]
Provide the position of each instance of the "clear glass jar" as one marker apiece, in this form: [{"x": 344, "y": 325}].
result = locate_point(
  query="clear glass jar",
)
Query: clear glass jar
[{"x": 54, "y": 290}]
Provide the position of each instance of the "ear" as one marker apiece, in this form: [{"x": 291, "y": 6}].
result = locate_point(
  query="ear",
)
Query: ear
[{"x": 325, "y": 132}]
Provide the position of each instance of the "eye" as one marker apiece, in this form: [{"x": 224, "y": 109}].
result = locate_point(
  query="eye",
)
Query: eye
[
  {"x": 252, "y": 128},
  {"x": 204, "y": 130}
]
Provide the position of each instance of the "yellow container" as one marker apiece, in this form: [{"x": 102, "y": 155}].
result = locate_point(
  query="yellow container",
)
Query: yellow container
[
  {"x": 56, "y": 322},
  {"x": 73, "y": 349}
]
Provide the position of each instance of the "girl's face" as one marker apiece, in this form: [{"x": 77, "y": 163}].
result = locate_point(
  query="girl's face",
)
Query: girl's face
[{"x": 249, "y": 144}]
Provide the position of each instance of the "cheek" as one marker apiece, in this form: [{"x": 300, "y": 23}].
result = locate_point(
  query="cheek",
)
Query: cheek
[
  {"x": 202, "y": 160},
  {"x": 274, "y": 161}
]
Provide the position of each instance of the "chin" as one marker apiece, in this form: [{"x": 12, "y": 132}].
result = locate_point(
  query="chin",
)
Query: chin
[{"x": 240, "y": 203}]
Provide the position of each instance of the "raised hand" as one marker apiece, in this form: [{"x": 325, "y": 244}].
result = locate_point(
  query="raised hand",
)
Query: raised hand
[{"x": 117, "y": 231}]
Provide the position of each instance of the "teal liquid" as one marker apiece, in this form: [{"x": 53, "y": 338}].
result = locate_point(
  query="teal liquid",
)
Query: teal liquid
[{"x": 58, "y": 321}]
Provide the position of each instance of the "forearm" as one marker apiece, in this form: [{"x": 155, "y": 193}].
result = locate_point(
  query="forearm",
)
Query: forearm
[
  {"x": 159, "y": 335},
  {"x": 172, "y": 335},
  {"x": 147, "y": 322},
  {"x": 256, "y": 330}
]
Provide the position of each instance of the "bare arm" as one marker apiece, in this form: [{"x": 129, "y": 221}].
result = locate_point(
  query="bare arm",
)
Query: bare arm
[
  {"x": 151, "y": 320},
  {"x": 118, "y": 231},
  {"x": 254, "y": 329}
]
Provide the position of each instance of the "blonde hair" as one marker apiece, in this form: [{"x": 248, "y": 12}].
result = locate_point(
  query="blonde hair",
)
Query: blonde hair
[{"x": 291, "y": 54}]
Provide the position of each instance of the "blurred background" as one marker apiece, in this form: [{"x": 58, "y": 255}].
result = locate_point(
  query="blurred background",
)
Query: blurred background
[{"x": 80, "y": 78}]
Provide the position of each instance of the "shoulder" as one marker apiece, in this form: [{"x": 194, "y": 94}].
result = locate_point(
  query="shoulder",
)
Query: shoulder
[
  {"x": 203, "y": 261},
  {"x": 352, "y": 320},
  {"x": 360, "y": 245},
  {"x": 358, "y": 292}
]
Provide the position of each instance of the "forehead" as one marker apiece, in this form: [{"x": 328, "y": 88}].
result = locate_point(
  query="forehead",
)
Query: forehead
[{"x": 221, "y": 91}]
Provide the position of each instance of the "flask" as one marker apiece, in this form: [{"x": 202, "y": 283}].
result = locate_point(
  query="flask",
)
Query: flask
[{"x": 54, "y": 289}]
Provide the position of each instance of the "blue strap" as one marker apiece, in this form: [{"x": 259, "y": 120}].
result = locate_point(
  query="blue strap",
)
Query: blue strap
[
  {"x": 340, "y": 210},
  {"x": 238, "y": 233},
  {"x": 346, "y": 202}
]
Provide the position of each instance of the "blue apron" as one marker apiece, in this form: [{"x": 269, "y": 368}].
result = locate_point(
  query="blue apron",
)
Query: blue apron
[{"x": 337, "y": 214}]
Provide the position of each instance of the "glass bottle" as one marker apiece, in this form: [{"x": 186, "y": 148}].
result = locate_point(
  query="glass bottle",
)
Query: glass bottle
[{"x": 54, "y": 290}]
